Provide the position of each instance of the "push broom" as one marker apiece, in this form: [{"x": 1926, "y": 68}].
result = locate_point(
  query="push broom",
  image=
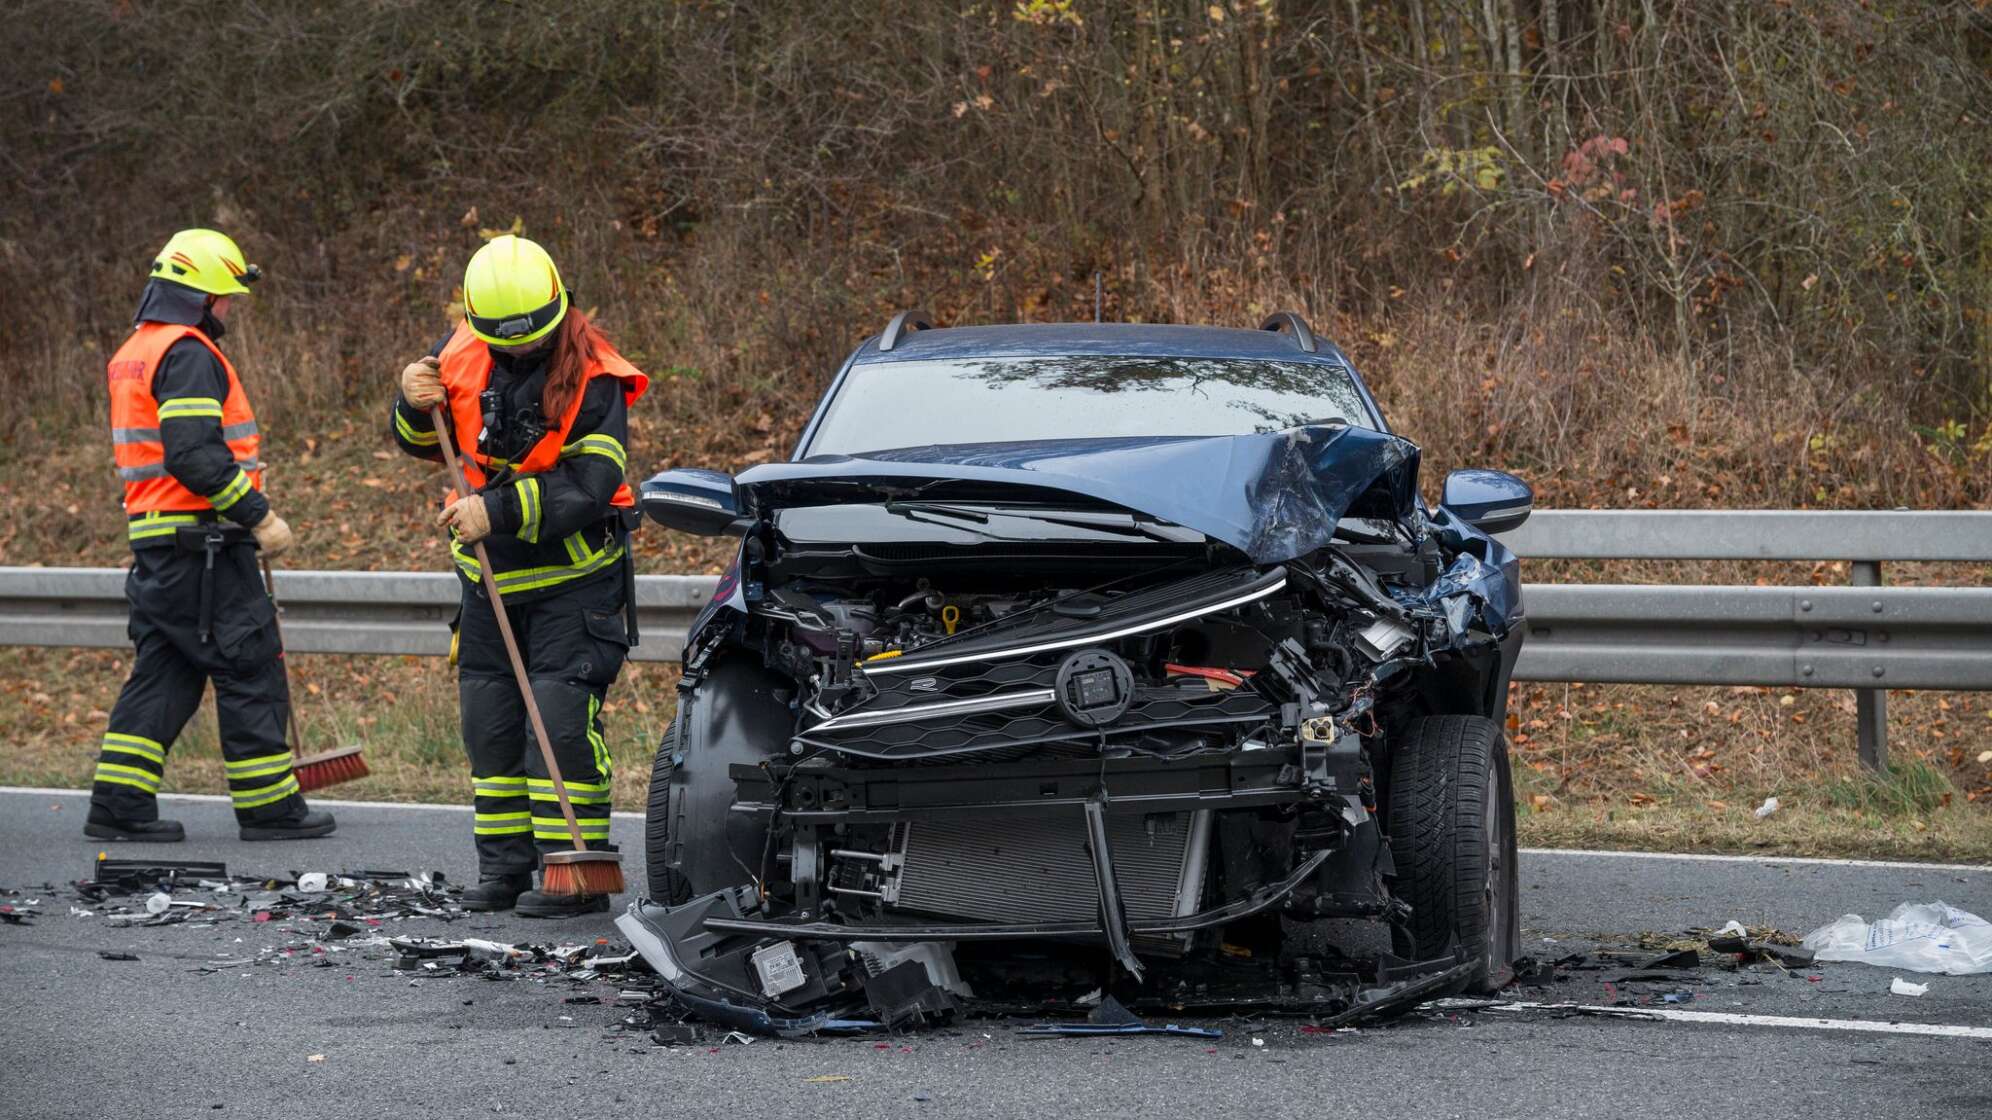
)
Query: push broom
[
  {"x": 313, "y": 771},
  {"x": 580, "y": 871}
]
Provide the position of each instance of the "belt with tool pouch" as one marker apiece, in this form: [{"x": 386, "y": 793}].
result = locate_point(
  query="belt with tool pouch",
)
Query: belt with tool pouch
[{"x": 209, "y": 539}]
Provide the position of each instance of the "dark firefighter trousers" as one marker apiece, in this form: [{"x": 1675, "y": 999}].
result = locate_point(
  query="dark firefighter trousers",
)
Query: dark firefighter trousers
[
  {"x": 574, "y": 644},
  {"x": 239, "y": 652}
]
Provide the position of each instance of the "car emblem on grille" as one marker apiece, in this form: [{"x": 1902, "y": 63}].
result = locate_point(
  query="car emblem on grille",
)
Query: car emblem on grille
[
  {"x": 924, "y": 684},
  {"x": 1094, "y": 688}
]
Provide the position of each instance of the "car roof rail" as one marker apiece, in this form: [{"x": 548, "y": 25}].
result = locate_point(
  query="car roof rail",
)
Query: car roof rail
[
  {"x": 1291, "y": 321},
  {"x": 914, "y": 318}
]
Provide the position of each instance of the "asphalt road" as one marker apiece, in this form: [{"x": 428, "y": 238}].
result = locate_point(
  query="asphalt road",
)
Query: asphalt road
[{"x": 167, "y": 1036}]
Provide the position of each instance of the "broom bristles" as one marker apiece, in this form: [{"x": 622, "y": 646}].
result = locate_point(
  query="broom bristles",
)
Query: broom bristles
[
  {"x": 581, "y": 873},
  {"x": 329, "y": 769}
]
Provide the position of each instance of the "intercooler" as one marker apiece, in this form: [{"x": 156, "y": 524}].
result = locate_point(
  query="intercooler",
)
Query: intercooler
[{"x": 1032, "y": 868}]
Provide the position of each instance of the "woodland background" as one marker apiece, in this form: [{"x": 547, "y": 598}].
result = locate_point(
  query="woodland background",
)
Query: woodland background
[{"x": 1646, "y": 253}]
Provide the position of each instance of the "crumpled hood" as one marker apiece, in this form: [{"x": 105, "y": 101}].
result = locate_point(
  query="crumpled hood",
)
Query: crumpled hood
[{"x": 1274, "y": 496}]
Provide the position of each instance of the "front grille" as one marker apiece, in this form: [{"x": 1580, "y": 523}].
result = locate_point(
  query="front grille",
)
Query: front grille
[{"x": 1155, "y": 708}]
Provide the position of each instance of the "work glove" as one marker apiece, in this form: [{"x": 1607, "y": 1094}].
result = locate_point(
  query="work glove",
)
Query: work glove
[
  {"x": 468, "y": 518},
  {"x": 273, "y": 535},
  {"x": 422, "y": 384}
]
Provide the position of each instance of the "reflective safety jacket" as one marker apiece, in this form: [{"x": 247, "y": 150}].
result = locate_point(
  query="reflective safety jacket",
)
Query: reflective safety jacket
[
  {"x": 555, "y": 508},
  {"x": 145, "y": 430}
]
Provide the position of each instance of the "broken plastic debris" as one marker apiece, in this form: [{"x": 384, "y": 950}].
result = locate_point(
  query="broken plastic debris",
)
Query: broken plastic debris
[
  {"x": 494, "y": 951},
  {"x": 1901, "y": 987},
  {"x": 147, "y": 874},
  {"x": 1685, "y": 958},
  {"x": 1769, "y": 806},
  {"x": 312, "y": 882},
  {"x": 158, "y": 902},
  {"x": 316, "y": 1058},
  {"x": 1112, "y": 1017},
  {"x": 1919, "y": 937}
]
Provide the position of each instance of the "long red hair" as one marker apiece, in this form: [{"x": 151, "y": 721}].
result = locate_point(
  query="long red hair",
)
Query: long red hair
[{"x": 576, "y": 341}]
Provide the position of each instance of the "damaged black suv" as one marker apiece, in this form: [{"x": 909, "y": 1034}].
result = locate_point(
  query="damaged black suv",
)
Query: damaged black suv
[{"x": 1074, "y": 657}]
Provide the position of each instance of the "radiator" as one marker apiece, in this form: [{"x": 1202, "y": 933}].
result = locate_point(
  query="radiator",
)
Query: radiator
[{"x": 1035, "y": 869}]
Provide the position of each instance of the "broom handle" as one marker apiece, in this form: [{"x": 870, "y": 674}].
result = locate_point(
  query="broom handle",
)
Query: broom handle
[
  {"x": 290, "y": 709},
  {"x": 448, "y": 442}
]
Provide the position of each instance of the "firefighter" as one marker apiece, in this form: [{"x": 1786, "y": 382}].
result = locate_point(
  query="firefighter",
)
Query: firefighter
[
  {"x": 186, "y": 445},
  {"x": 537, "y": 403}
]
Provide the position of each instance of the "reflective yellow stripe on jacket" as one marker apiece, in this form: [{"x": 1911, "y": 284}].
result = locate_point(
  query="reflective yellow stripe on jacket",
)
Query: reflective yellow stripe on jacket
[{"x": 586, "y": 561}]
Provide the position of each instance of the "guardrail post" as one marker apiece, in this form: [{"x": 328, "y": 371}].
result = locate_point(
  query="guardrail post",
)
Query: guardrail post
[{"x": 1871, "y": 704}]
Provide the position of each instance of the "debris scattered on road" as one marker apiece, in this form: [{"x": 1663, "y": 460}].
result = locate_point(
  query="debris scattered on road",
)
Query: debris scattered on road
[
  {"x": 1110, "y": 1018},
  {"x": 1901, "y": 987},
  {"x": 114, "y": 955},
  {"x": 134, "y": 875},
  {"x": 158, "y": 892},
  {"x": 1748, "y": 950},
  {"x": 677, "y": 1034},
  {"x": 1682, "y": 958},
  {"x": 1918, "y": 937},
  {"x": 496, "y": 960}
]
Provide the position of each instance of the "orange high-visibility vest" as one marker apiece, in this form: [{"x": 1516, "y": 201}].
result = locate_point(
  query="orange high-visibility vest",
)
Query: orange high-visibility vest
[
  {"x": 466, "y": 372},
  {"x": 135, "y": 416}
]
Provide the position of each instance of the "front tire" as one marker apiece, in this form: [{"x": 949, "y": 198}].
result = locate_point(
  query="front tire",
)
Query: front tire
[
  {"x": 666, "y": 885},
  {"x": 1452, "y": 837},
  {"x": 694, "y": 843}
]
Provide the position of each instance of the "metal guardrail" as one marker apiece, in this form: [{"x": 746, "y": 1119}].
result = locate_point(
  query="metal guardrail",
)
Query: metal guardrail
[
  {"x": 1865, "y": 637},
  {"x": 1892, "y": 653},
  {"x": 324, "y": 612},
  {"x": 1755, "y": 534}
]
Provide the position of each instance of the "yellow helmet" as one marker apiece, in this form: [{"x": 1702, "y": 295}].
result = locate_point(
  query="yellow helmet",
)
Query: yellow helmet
[
  {"x": 205, "y": 261},
  {"x": 512, "y": 294}
]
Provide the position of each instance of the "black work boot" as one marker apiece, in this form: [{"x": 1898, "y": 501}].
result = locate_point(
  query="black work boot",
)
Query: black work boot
[
  {"x": 539, "y": 904},
  {"x": 103, "y": 826},
  {"x": 314, "y": 823},
  {"x": 497, "y": 893}
]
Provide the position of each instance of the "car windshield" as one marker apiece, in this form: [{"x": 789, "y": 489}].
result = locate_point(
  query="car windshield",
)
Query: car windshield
[{"x": 885, "y": 405}]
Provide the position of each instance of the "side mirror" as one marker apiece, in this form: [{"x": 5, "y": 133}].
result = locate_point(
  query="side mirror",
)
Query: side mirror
[
  {"x": 693, "y": 501},
  {"x": 1490, "y": 501}
]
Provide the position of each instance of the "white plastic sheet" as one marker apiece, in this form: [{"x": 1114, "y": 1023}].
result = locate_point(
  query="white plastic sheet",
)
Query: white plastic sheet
[{"x": 1917, "y": 936}]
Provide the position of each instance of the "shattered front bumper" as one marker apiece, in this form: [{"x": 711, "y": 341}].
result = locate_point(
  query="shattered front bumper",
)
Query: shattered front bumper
[{"x": 719, "y": 964}]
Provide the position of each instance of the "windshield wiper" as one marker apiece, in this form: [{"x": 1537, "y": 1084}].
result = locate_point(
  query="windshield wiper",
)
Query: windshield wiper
[
  {"x": 932, "y": 515},
  {"x": 1125, "y": 524}
]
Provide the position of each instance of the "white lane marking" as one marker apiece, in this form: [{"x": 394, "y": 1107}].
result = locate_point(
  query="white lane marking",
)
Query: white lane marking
[
  {"x": 1704, "y": 857},
  {"x": 1731, "y": 1018},
  {"x": 1710, "y": 857}
]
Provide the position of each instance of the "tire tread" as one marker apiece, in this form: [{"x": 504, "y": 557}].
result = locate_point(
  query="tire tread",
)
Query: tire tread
[{"x": 1439, "y": 799}]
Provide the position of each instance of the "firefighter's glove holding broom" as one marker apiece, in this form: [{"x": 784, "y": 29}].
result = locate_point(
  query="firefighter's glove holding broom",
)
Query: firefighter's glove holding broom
[
  {"x": 422, "y": 384},
  {"x": 273, "y": 535},
  {"x": 469, "y": 518}
]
